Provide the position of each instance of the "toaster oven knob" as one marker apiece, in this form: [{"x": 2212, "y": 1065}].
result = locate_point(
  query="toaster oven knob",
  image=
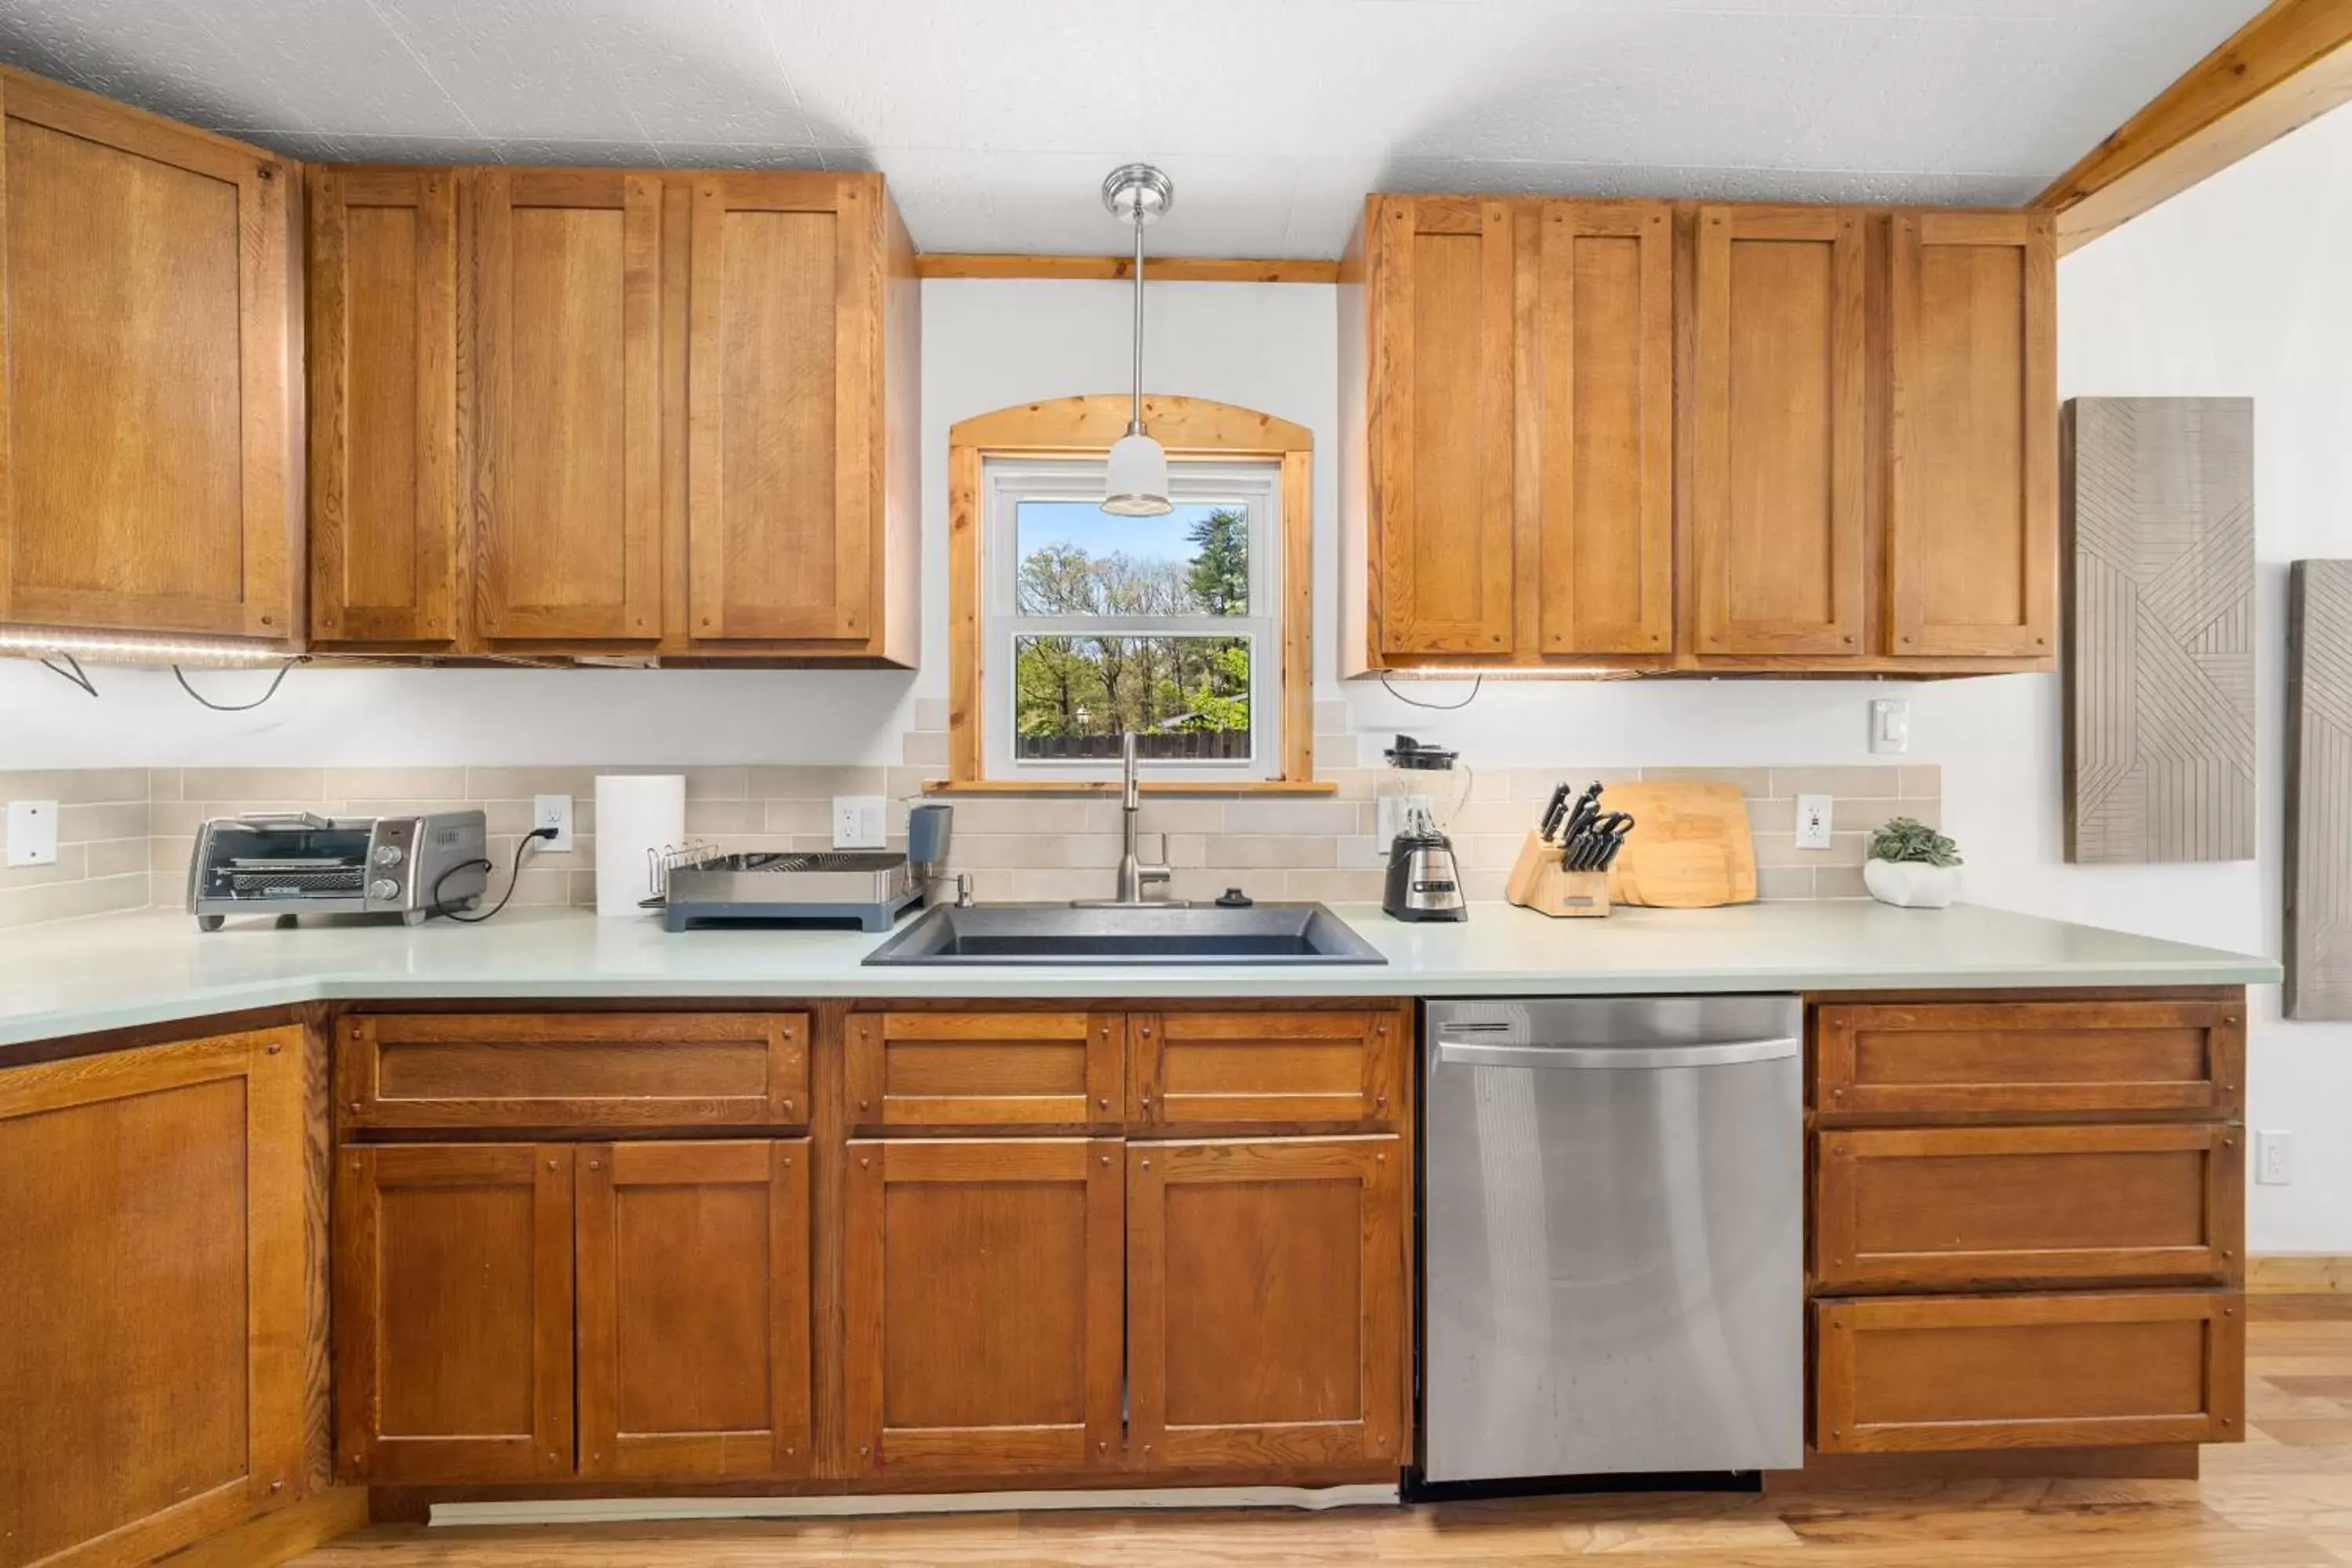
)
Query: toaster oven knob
[
  {"x": 389, "y": 854},
  {"x": 383, "y": 887}
]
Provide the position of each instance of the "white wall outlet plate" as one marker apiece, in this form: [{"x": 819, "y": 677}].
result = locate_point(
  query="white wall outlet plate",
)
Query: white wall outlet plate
[
  {"x": 860, "y": 821},
  {"x": 1813, "y": 814},
  {"x": 554, "y": 811},
  {"x": 32, "y": 832},
  {"x": 2274, "y": 1158},
  {"x": 1890, "y": 724}
]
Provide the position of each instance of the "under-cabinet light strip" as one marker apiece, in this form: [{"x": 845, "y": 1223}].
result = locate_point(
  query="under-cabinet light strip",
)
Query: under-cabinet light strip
[{"x": 136, "y": 650}]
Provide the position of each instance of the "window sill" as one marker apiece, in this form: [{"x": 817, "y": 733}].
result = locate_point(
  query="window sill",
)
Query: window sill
[{"x": 1112, "y": 786}]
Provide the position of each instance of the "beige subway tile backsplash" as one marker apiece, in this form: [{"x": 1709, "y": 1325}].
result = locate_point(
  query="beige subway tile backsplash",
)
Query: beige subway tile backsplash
[{"x": 127, "y": 833}]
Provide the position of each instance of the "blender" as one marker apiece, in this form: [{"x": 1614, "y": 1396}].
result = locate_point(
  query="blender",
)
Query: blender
[{"x": 1420, "y": 793}]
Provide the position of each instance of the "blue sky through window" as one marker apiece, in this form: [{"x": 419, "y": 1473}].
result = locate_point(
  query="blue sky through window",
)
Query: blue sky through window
[{"x": 1090, "y": 527}]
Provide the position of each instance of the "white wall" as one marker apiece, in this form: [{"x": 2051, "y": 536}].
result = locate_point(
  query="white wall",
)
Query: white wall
[{"x": 2239, "y": 287}]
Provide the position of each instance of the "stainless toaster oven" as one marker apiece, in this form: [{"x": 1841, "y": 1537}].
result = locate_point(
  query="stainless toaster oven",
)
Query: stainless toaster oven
[{"x": 297, "y": 863}]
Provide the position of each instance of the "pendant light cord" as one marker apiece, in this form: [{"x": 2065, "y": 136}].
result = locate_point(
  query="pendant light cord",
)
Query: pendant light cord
[{"x": 1134, "y": 421}]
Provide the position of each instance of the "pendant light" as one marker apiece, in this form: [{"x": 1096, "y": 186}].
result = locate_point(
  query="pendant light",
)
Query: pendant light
[{"x": 1137, "y": 480}]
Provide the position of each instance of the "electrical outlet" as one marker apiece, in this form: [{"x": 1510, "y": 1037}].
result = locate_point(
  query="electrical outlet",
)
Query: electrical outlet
[
  {"x": 1394, "y": 812},
  {"x": 32, "y": 832},
  {"x": 860, "y": 821},
  {"x": 1890, "y": 724},
  {"x": 2274, "y": 1158},
  {"x": 1814, "y": 821},
  {"x": 554, "y": 811}
]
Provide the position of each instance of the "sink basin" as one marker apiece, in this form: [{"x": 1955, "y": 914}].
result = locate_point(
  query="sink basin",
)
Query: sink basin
[{"x": 1057, "y": 933}]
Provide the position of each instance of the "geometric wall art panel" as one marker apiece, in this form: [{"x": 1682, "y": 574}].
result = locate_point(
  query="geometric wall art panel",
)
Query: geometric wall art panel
[
  {"x": 2158, "y": 495},
  {"x": 2319, "y": 791}
]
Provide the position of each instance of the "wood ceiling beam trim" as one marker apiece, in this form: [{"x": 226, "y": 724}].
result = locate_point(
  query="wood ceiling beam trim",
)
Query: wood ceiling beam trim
[
  {"x": 2285, "y": 68},
  {"x": 1157, "y": 269}
]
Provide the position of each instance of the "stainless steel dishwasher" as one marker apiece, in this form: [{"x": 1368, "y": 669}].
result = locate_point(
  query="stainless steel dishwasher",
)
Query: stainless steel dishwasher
[{"x": 1614, "y": 1218}]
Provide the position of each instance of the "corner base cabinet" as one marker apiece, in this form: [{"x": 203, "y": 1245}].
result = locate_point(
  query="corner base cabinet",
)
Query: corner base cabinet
[{"x": 155, "y": 1318}]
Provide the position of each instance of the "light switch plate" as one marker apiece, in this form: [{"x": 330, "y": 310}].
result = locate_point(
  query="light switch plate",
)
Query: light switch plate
[
  {"x": 554, "y": 811},
  {"x": 32, "y": 832},
  {"x": 1813, "y": 816},
  {"x": 860, "y": 821},
  {"x": 1890, "y": 725}
]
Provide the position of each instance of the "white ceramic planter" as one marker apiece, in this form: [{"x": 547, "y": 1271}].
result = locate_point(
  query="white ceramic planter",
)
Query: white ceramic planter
[{"x": 1911, "y": 884}]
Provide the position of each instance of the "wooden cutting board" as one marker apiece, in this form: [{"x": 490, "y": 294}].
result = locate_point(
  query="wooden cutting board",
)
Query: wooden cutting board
[{"x": 1690, "y": 847}]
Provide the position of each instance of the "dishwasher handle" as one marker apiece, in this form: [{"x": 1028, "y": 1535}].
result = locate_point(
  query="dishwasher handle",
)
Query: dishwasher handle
[{"x": 1709, "y": 1053}]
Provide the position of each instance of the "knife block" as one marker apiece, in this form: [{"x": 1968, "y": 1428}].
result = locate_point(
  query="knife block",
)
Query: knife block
[{"x": 1537, "y": 882}]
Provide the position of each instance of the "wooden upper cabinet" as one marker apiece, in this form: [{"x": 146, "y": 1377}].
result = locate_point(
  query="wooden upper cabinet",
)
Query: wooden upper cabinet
[
  {"x": 694, "y": 1309},
  {"x": 1267, "y": 1303},
  {"x": 1972, "y": 533},
  {"x": 149, "y": 397},
  {"x": 1778, "y": 411},
  {"x": 785, "y": 462},
  {"x": 1604, "y": 380},
  {"x": 567, "y": 281},
  {"x": 983, "y": 1283},
  {"x": 383, "y": 347},
  {"x": 453, "y": 1300},
  {"x": 155, "y": 1319},
  {"x": 1441, "y": 439}
]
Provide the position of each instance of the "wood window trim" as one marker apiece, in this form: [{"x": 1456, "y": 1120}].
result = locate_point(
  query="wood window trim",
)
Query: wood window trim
[{"x": 1087, "y": 427}]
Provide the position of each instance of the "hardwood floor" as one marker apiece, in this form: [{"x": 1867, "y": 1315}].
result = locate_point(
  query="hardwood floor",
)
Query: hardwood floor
[{"x": 2282, "y": 1500}]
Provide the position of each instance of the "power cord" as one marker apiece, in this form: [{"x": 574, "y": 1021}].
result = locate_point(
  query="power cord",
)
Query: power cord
[
  {"x": 514, "y": 873},
  {"x": 1435, "y": 707},
  {"x": 181, "y": 675},
  {"x": 72, "y": 671}
]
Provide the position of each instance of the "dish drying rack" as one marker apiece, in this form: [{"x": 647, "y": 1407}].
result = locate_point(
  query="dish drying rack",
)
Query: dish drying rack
[{"x": 700, "y": 884}]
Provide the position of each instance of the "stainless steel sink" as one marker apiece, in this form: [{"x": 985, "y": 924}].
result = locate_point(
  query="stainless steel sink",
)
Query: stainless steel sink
[{"x": 1057, "y": 933}]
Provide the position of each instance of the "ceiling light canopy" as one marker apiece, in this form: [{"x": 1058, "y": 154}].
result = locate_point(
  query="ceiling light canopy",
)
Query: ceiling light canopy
[{"x": 1136, "y": 483}]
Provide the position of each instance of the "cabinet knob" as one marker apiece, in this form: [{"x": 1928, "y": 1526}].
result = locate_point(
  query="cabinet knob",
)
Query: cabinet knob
[
  {"x": 596, "y": 1164},
  {"x": 551, "y": 1164},
  {"x": 1102, "y": 1102}
]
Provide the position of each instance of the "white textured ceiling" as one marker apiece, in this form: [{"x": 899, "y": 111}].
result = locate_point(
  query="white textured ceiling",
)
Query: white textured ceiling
[{"x": 995, "y": 119}]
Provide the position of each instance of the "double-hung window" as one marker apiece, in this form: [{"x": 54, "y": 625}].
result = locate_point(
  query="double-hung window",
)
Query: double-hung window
[{"x": 1093, "y": 625}]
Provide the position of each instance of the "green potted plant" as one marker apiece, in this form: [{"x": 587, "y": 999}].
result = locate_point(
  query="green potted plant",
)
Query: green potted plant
[{"x": 1912, "y": 866}]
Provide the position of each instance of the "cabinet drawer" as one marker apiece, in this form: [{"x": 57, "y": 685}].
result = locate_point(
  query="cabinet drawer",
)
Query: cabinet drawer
[
  {"x": 1958, "y": 1207},
  {"x": 985, "y": 1070},
  {"x": 1969, "y": 1058},
  {"x": 2019, "y": 1371},
  {"x": 555, "y": 1069},
  {"x": 1265, "y": 1069}
]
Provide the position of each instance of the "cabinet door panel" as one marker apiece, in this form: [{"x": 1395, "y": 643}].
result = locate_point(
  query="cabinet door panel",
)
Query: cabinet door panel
[
  {"x": 382, "y": 269},
  {"x": 1936, "y": 1060},
  {"x": 148, "y": 402},
  {"x": 151, "y": 1329},
  {"x": 567, "y": 329},
  {"x": 984, "y": 1281},
  {"x": 1989, "y": 1207},
  {"x": 783, "y": 497},
  {"x": 1972, "y": 541},
  {"x": 986, "y": 1069},
  {"x": 1947, "y": 1372},
  {"x": 1442, "y": 455},
  {"x": 1267, "y": 1301},
  {"x": 1604, "y": 347},
  {"x": 1779, "y": 503},
  {"x": 1256, "y": 1067},
  {"x": 453, "y": 1311},
  {"x": 694, "y": 1309}
]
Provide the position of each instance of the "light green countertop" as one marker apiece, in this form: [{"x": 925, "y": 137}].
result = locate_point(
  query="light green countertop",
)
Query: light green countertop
[{"x": 123, "y": 971}]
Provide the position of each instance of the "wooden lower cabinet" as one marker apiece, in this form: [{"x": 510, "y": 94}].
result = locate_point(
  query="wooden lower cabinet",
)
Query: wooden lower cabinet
[
  {"x": 453, "y": 1311},
  {"x": 693, "y": 1298},
  {"x": 1950, "y": 1372},
  {"x": 1267, "y": 1293},
  {"x": 153, "y": 1317},
  {"x": 983, "y": 1290},
  {"x": 1986, "y": 1207},
  {"x": 954, "y": 1069},
  {"x": 1255, "y": 1068}
]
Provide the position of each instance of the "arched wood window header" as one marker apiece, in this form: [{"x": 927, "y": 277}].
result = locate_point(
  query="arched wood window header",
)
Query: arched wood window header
[{"x": 1073, "y": 426}]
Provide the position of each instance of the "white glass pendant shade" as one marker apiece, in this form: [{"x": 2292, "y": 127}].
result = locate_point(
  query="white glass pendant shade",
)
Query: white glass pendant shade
[{"x": 1136, "y": 484}]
